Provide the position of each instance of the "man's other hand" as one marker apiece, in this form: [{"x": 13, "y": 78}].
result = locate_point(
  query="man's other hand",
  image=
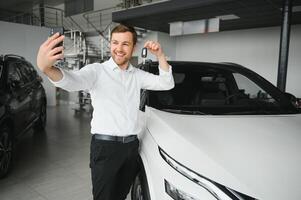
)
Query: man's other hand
[{"x": 155, "y": 48}]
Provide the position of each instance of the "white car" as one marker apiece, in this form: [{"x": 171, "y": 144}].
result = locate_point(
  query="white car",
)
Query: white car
[{"x": 223, "y": 132}]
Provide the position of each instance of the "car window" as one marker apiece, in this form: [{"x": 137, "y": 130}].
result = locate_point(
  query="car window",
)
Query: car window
[
  {"x": 215, "y": 91},
  {"x": 196, "y": 89},
  {"x": 25, "y": 72},
  {"x": 32, "y": 73},
  {"x": 14, "y": 74},
  {"x": 251, "y": 90}
]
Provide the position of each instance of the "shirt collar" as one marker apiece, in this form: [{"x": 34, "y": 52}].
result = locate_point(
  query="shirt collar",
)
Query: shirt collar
[{"x": 114, "y": 66}]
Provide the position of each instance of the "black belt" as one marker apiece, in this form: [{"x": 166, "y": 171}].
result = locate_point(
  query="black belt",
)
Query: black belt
[{"x": 122, "y": 139}]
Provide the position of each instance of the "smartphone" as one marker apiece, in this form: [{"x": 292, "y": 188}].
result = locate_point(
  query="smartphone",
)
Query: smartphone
[{"x": 59, "y": 30}]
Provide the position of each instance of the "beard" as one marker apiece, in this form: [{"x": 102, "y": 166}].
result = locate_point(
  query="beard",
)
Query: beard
[{"x": 120, "y": 61}]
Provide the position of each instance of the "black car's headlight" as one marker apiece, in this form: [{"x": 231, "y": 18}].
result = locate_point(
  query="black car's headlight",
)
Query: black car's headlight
[{"x": 219, "y": 191}]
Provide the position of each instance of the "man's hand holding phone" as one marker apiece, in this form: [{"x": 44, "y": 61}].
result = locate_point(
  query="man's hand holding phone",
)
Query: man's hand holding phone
[
  {"x": 59, "y": 30},
  {"x": 49, "y": 53}
]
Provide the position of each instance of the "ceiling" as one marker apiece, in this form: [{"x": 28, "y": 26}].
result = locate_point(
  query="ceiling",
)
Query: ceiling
[
  {"x": 251, "y": 13},
  {"x": 157, "y": 16},
  {"x": 22, "y": 5}
]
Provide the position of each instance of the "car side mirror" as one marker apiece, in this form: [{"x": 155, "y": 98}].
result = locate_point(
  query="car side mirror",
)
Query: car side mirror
[
  {"x": 299, "y": 103},
  {"x": 143, "y": 99},
  {"x": 294, "y": 100},
  {"x": 145, "y": 66}
]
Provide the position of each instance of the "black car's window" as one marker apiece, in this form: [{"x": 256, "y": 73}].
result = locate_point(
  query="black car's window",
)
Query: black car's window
[
  {"x": 14, "y": 74},
  {"x": 25, "y": 72},
  {"x": 32, "y": 74},
  {"x": 212, "y": 90}
]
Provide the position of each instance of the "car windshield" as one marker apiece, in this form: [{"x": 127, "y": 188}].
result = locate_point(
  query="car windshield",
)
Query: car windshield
[{"x": 219, "y": 91}]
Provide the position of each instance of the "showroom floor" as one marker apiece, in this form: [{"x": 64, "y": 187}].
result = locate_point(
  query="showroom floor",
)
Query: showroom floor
[{"x": 52, "y": 165}]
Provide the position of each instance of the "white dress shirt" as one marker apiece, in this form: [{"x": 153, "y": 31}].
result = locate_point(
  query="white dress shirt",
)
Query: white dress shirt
[{"x": 115, "y": 94}]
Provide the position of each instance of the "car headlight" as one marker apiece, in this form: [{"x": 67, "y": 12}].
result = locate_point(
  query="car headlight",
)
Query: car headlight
[
  {"x": 219, "y": 191},
  {"x": 176, "y": 193}
]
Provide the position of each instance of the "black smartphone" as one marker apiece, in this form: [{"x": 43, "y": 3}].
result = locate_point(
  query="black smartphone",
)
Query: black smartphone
[{"x": 59, "y": 30}]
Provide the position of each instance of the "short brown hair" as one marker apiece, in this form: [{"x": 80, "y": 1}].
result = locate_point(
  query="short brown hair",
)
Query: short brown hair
[{"x": 122, "y": 28}]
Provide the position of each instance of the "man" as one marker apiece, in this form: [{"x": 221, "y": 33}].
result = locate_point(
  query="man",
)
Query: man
[{"x": 115, "y": 92}]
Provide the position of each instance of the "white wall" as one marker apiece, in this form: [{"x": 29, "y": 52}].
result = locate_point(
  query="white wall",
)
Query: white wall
[
  {"x": 168, "y": 44},
  {"x": 257, "y": 49},
  {"x": 25, "y": 40}
]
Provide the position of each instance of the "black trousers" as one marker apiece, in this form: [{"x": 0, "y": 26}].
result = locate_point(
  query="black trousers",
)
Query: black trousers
[{"x": 113, "y": 168}]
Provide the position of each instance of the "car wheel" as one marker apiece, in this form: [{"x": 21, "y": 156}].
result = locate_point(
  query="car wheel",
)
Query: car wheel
[
  {"x": 6, "y": 146},
  {"x": 41, "y": 123},
  {"x": 140, "y": 189}
]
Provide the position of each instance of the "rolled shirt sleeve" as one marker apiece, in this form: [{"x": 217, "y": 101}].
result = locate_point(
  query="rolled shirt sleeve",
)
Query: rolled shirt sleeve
[
  {"x": 82, "y": 79},
  {"x": 163, "y": 81}
]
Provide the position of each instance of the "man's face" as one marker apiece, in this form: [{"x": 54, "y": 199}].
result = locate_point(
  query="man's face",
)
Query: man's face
[{"x": 122, "y": 48}]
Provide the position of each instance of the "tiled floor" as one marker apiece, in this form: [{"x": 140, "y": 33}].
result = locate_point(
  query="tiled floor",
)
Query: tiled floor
[{"x": 52, "y": 165}]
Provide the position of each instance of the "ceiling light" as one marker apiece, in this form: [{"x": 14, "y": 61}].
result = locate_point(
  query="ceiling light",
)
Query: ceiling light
[
  {"x": 296, "y": 9},
  {"x": 228, "y": 17},
  {"x": 194, "y": 27}
]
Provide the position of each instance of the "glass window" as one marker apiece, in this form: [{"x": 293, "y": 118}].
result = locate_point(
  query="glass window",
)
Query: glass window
[
  {"x": 195, "y": 89},
  {"x": 25, "y": 73},
  {"x": 216, "y": 91},
  {"x": 14, "y": 74},
  {"x": 32, "y": 74},
  {"x": 251, "y": 90}
]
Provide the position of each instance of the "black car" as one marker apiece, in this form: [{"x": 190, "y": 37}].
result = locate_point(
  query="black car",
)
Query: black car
[{"x": 22, "y": 104}]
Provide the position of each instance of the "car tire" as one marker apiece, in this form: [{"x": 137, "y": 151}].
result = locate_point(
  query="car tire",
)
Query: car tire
[
  {"x": 41, "y": 122},
  {"x": 140, "y": 190},
  {"x": 6, "y": 150}
]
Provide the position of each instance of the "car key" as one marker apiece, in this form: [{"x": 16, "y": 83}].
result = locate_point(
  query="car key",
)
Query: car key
[{"x": 143, "y": 54}]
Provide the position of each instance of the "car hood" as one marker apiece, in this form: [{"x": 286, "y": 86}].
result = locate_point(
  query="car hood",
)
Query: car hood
[{"x": 258, "y": 155}]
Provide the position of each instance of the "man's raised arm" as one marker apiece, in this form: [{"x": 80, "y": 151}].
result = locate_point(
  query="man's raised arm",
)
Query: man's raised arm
[
  {"x": 156, "y": 49},
  {"x": 163, "y": 81}
]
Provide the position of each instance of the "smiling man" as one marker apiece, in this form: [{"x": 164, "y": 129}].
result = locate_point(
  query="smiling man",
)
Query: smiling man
[{"x": 114, "y": 86}]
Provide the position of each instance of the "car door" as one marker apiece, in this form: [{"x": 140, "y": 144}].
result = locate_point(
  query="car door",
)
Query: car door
[
  {"x": 35, "y": 89},
  {"x": 29, "y": 89},
  {"x": 20, "y": 101},
  {"x": 37, "y": 93}
]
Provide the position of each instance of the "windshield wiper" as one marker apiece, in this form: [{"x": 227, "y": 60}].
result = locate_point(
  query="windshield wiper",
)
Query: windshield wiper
[{"x": 190, "y": 112}]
